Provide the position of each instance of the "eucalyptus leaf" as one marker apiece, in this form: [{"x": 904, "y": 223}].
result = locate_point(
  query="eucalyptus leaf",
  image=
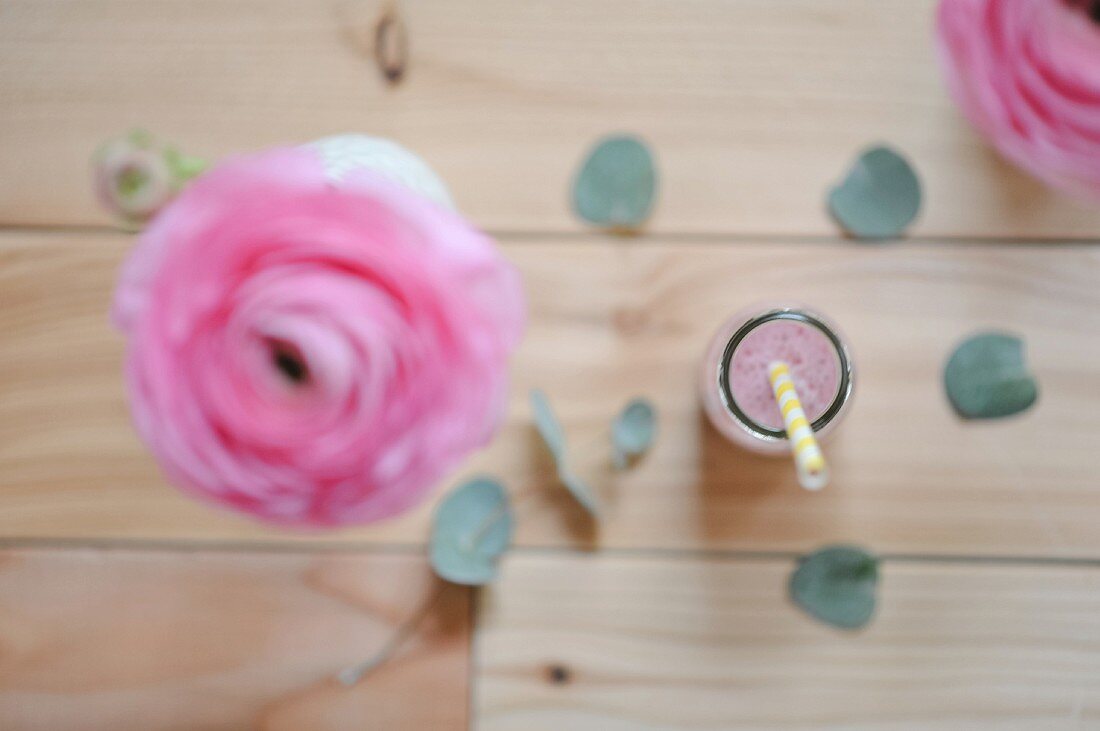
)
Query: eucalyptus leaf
[
  {"x": 547, "y": 424},
  {"x": 617, "y": 184},
  {"x": 836, "y": 585},
  {"x": 550, "y": 429},
  {"x": 184, "y": 167},
  {"x": 880, "y": 196},
  {"x": 580, "y": 490},
  {"x": 987, "y": 378},
  {"x": 472, "y": 528},
  {"x": 633, "y": 432}
]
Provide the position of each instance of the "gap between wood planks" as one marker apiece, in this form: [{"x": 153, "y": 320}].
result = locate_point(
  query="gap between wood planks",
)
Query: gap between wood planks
[
  {"x": 645, "y": 238},
  {"x": 410, "y": 549}
]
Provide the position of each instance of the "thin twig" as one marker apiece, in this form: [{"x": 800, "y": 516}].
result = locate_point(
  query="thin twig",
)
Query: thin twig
[{"x": 351, "y": 675}]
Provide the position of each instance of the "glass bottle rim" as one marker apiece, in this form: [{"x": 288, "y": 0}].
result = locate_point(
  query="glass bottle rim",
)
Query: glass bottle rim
[{"x": 844, "y": 360}]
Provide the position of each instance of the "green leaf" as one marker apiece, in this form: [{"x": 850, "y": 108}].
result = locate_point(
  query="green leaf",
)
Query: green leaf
[
  {"x": 836, "y": 585},
  {"x": 617, "y": 184},
  {"x": 880, "y": 196},
  {"x": 986, "y": 377},
  {"x": 633, "y": 432},
  {"x": 547, "y": 424},
  {"x": 184, "y": 167},
  {"x": 580, "y": 490},
  {"x": 471, "y": 530},
  {"x": 550, "y": 429}
]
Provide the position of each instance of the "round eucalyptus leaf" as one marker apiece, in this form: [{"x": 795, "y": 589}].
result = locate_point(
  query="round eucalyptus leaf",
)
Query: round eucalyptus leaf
[
  {"x": 987, "y": 378},
  {"x": 472, "y": 528},
  {"x": 617, "y": 184},
  {"x": 634, "y": 431},
  {"x": 880, "y": 196},
  {"x": 836, "y": 585}
]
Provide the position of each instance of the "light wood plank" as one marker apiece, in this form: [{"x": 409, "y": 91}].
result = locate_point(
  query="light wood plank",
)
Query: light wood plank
[
  {"x": 611, "y": 320},
  {"x": 204, "y": 640},
  {"x": 660, "y": 645},
  {"x": 754, "y": 107}
]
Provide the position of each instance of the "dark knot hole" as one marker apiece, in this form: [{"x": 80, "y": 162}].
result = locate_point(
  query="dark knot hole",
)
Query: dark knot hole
[
  {"x": 558, "y": 674},
  {"x": 289, "y": 361}
]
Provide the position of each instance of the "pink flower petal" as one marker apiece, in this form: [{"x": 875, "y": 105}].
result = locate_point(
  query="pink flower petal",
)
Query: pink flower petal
[
  {"x": 1026, "y": 73},
  {"x": 397, "y": 316}
]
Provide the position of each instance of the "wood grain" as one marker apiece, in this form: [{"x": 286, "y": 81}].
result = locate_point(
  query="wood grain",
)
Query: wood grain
[
  {"x": 667, "y": 644},
  {"x": 175, "y": 615},
  {"x": 192, "y": 640},
  {"x": 753, "y": 107},
  {"x": 611, "y": 320}
]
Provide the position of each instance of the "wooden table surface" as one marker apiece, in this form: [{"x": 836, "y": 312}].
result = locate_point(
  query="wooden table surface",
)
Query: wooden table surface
[{"x": 124, "y": 605}]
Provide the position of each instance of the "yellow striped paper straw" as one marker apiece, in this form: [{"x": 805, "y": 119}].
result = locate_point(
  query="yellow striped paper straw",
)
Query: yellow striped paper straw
[{"x": 813, "y": 474}]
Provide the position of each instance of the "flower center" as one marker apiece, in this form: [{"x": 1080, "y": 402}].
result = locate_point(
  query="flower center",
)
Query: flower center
[
  {"x": 131, "y": 180},
  {"x": 290, "y": 363},
  {"x": 1091, "y": 8}
]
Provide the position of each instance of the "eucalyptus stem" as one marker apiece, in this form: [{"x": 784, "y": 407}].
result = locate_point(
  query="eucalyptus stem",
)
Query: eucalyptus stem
[
  {"x": 484, "y": 527},
  {"x": 351, "y": 675},
  {"x": 597, "y": 446},
  {"x": 490, "y": 520}
]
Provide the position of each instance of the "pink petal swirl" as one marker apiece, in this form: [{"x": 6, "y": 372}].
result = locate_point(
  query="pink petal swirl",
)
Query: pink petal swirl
[
  {"x": 1027, "y": 74},
  {"x": 309, "y": 352}
]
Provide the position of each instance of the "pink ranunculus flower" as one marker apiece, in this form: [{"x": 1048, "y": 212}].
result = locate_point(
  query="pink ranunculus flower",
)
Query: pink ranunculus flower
[
  {"x": 1027, "y": 75},
  {"x": 314, "y": 336}
]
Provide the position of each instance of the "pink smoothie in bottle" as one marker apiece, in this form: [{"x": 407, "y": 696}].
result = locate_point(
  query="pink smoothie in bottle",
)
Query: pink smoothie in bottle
[{"x": 736, "y": 393}]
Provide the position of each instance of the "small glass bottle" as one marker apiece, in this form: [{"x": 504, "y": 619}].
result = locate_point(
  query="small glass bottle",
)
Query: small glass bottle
[{"x": 734, "y": 385}]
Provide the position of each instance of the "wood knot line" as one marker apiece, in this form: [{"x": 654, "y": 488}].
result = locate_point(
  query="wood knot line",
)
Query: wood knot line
[
  {"x": 391, "y": 45},
  {"x": 630, "y": 320}
]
